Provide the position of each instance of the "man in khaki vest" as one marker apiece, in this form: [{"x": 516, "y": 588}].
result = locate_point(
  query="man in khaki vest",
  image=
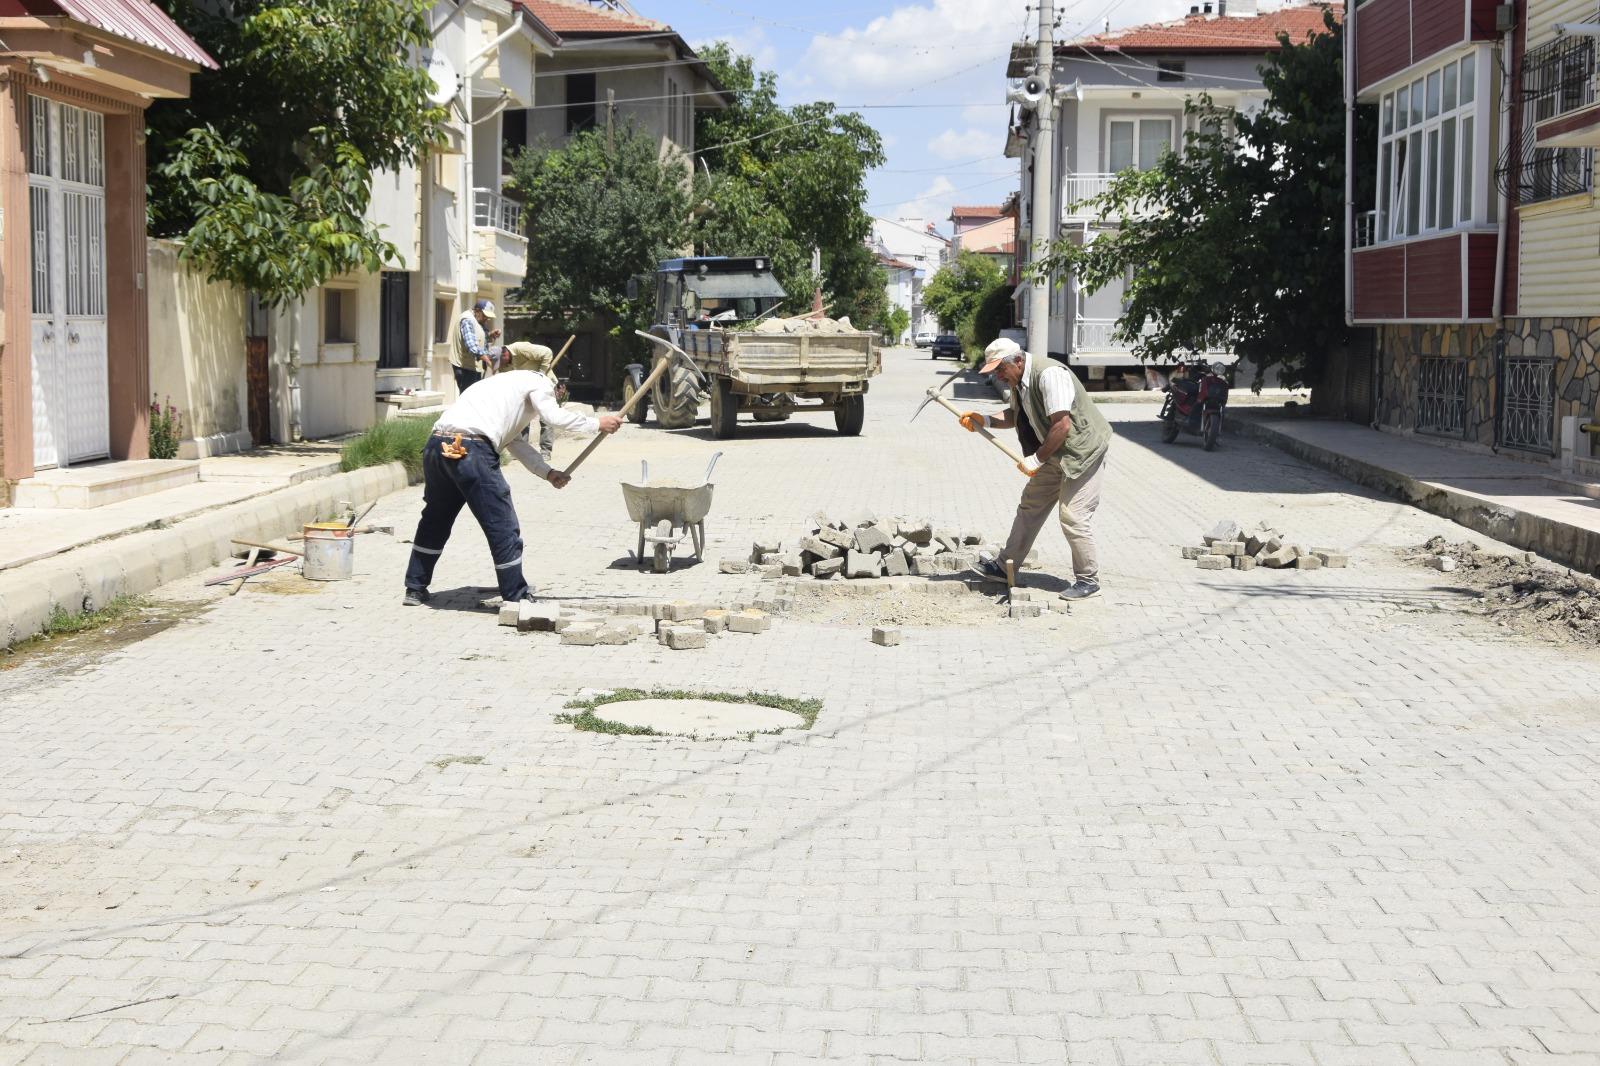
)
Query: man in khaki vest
[{"x": 1064, "y": 441}]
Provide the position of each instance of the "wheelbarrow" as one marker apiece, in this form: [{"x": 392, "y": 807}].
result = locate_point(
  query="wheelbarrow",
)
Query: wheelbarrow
[{"x": 666, "y": 512}]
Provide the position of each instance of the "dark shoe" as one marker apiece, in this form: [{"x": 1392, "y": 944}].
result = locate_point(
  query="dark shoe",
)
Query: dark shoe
[
  {"x": 1081, "y": 590},
  {"x": 417, "y": 597},
  {"x": 989, "y": 570}
]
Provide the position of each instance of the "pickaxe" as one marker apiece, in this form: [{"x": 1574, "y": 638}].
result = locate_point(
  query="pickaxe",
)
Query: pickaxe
[
  {"x": 559, "y": 355},
  {"x": 934, "y": 397},
  {"x": 670, "y": 354}
]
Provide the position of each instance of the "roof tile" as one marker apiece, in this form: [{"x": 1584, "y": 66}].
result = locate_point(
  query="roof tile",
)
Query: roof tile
[
  {"x": 1200, "y": 33},
  {"x": 577, "y": 17},
  {"x": 141, "y": 22}
]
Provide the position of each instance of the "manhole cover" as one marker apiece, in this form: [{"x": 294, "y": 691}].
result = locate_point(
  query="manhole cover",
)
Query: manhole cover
[{"x": 702, "y": 718}]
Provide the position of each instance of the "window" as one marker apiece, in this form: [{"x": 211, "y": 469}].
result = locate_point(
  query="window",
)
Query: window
[
  {"x": 1137, "y": 142},
  {"x": 444, "y": 319},
  {"x": 338, "y": 316},
  {"x": 513, "y": 137},
  {"x": 1427, "y": 151},
  {"x": 581, "y": 111},
  {"x": 1169, "y": 70}
]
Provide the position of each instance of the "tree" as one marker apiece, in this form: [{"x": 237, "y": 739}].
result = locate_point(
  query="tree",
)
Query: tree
[
  {"x": 1240, "y": 240},
  {"x": 604, "y": 216},
  {"x": 785, "y": 181},
  {"x": 894, "y": 323},
  {"x": 958, "y": 289},
  {"x": 265, "y": 170},
  {"x": 994, "y": 314}
]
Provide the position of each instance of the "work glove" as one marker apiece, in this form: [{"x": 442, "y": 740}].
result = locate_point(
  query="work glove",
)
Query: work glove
[
  {"x": 1030, "y": 465},
  {"x": 972, "y": 420}
]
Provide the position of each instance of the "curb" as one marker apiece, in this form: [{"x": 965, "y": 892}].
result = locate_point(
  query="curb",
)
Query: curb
[
  {"x": 88, "y": 578},
  {"x": 1569, "y": 545}
]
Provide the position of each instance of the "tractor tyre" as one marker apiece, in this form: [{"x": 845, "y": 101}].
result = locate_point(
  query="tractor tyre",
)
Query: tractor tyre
[
  {"x": 630, "y": 386},
  {"x": 850, "y": 415},
  {"x": 724, "y": 409},
  {"x": 676, "y": 398}
]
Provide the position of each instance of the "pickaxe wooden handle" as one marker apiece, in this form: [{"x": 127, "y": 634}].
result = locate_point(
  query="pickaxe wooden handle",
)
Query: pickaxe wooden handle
[
  {"x": 984, "y": 430},
  {"x": 562, "y": 353},
  {"x": 639, "y": 394}
]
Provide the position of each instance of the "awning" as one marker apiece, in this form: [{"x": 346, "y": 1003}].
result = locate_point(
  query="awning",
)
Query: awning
[{"x": 1575, "y": 129}]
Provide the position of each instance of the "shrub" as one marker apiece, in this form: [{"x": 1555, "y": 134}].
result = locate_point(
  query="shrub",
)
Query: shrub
[
  {"x": 166, "y": 429},
  {"x": 398, "y": 440}
]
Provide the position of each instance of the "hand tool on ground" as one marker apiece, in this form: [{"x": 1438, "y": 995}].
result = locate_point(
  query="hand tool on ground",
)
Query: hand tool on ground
[
  {"x": 557, "y": 360},
  {"x": 1011, "y": 578},
  {"x": 983, "y": 431},
  {"x": 357, "y": 520},
  {"x": 267, "y": 547},
  {"x": 259, "y": 568},
  {"x": 353, "y": 532},
  {"x": 670, "y": 353}
]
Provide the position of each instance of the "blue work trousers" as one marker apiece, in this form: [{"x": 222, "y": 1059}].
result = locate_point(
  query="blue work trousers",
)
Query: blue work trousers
[{"x": 474, "y": 482}]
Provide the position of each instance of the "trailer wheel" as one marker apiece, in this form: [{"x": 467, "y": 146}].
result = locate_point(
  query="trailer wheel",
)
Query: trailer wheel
[
  {"x": 676, "y": 398},
  {"x": 630, "y": 386},
  {"x": 724, "y": 409},
  {"x": 850, "y": 415}
]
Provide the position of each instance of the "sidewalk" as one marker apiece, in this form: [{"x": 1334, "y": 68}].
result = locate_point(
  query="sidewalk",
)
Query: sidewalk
[{"x": 1531, "y": 507}]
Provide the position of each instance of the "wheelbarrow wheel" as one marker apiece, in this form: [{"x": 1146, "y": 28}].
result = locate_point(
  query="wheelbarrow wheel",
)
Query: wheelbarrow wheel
[{"x": 663, "y": 558}]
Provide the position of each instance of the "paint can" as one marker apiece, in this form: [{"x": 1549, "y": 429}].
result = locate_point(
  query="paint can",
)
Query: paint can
[{"x": 330, "y": 552}]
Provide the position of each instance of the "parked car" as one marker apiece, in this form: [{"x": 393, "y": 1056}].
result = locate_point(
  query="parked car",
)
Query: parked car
[
  {"x": 947, "y": 344},
  {"x": 923, "y": 339}
]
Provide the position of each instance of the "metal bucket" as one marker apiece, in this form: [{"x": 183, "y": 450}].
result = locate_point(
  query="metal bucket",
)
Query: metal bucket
[{"x": 330, "y": 552}]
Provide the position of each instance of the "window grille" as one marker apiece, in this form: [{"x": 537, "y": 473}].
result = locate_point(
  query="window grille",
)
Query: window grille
[{"x": 1556, "y": 78}]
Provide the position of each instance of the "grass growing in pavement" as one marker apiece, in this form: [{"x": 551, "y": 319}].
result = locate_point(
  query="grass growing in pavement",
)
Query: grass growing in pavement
[
  {"x": 397, "y": 440},
  {"x": 586, "y": 719},
  {"x": 64, "y": 623}
]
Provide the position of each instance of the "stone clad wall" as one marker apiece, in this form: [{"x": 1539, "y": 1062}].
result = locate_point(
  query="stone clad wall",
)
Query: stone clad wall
[{"x": 1574, "y": 343}]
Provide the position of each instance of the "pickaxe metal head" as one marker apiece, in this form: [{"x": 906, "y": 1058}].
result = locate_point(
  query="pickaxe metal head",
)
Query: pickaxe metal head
[{"x": 932, "y": 392}]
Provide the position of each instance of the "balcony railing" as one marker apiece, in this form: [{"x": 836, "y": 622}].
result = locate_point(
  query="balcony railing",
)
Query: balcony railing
[
  {"x": 494, "y": 211},
  {"x": 1366, "y": 228},
  {"x": 1076, "y": 192},
  {"x": 1098, "y": 335}
]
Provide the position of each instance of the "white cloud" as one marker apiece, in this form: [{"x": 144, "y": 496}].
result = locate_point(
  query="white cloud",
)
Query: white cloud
[
  {"x": 754, "y": 44},
  {"x": 931, "y": 203},
  {"x": 917, "y": 43},
  {"x": 972, "y": 143}
]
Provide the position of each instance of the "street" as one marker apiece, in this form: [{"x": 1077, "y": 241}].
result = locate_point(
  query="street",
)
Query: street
[{"x": 1273, "y": 817}]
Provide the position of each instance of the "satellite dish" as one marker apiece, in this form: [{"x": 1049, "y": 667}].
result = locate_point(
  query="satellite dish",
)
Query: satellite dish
[{"x": 445, "y": 82}]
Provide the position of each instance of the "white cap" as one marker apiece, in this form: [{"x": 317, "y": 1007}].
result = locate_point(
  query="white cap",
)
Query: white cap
[
  {"x": 486, "y": 306},
  {"x": 1000, "y": 349}
]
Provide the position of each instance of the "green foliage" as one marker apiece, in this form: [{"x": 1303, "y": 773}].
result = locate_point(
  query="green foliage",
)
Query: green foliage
[
  {"x": 993, "y": 314},
  {"x": 957, "y": 290},
  {"x": 398, "y": 440},
  {"x": 166, "y": 429},
  {"x": 1240, "y": 239},
  {"x": 894, "y": 323},
  {"x": 603, "y": 217},
  {"x": 785, "y": 181},
  {"x": 265, "y": 170},
  {"x": 586, "y": 719}
]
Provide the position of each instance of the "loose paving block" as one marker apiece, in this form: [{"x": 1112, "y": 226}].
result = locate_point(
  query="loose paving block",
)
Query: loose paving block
[
  {"x": 1025, "y": 610},
  {"x": 765, "y": 547},
  {"x": 820, "y": 548},
  {"x": 1227, "y": 548},
  {"x": 872, "y": 539},
  {"x": 509, "y": 613},
  {"x": 837, "y": 538},
  {"x": 734, "y": 566},
  {"x": 862, "y": 564},
  {"x": 826, "y": 568},
  {"x": 863, "y": 518},
  {"x": 1331, "y": 559},
  {"x": 1213, "y": 562},
  {"x": 945, "y": 563},
  {"x": 1020, "y": 595},
  {"x": 895, "y": 564},
  {"x": 917, "y": 531},
  {"x": 1225, "y": 531},
  {"x": 1308, "y": 562},
  {"x": 885, "y": 636},
  {"x": 749, "y": 622},
  {"x": 684, "y": 638},
  {"x": 682, "y": 611},
  {"x": 536, "y": 617},
  {"x": 1244, "y": 562},
  {"x": 793, "y": 566},
  {"x": 1195, "y": 553},
  {"x": 621, "y": 633},
  {"x": 770, "y": 571},
  {"x": 947, "y": 541},
  {"x": 583, "y": 636},
  {"x": 715, "y": 621},
  {"x": 820, "y": 519},
  {"x": 1254, "y": 543},
  {"x": 1272, "y": 544},
  {"x": 1279, "y": 559},
  {"x": 567, "y": 621},
  {"x": 1442, "y": 563}
]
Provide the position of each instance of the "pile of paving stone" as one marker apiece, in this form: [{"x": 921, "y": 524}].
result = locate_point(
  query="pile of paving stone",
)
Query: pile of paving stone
[
  {"x": 805, "y": 324},
  {"x": 1229, "y": 547},
  {"x": 864, "y": 546},
  {"x": 681, "y": 625}
]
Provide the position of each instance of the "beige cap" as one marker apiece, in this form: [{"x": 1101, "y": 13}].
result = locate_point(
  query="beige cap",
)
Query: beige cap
[
  {"x": 999, "y": 350},
  {"x": 486, "y": 306},
  {"x": 528, "y": 356}
]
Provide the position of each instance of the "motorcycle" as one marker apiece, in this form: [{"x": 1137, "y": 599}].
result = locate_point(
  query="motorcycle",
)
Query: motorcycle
[{"x": 1196, "y": 397}]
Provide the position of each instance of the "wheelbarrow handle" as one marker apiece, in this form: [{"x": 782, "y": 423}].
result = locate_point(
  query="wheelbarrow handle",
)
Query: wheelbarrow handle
[{"x": 712, "y": 465}]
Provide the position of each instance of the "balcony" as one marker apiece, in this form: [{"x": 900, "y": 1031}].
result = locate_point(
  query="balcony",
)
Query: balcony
[
  {"x": 1076, "y": 192},
  {"x": 1094, "y": 344},
  {"x": 1559, "y": 95},
  {"x": 502, "y": 249}
]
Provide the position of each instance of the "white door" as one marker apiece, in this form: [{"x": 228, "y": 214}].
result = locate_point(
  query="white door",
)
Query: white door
[{"x": 67, "y": 212}]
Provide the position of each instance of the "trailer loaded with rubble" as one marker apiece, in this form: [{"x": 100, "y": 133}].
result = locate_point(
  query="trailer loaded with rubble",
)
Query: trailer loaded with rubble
[{"x": 717, "y": 309}]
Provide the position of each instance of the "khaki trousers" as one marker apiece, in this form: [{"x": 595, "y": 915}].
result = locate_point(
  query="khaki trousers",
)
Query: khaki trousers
[{"x": 1075, "y": 500}]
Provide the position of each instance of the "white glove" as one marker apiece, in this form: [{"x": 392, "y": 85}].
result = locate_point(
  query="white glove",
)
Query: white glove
[{"x": 1030, "y": 465}]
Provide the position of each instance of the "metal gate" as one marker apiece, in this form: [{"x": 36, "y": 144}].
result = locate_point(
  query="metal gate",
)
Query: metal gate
[
  {"x": 1442, "y": 396},
  {"x": 1528, "y": 404},
  {"x": 394, "y": 321},
  {"x": 67, "y": 225}
]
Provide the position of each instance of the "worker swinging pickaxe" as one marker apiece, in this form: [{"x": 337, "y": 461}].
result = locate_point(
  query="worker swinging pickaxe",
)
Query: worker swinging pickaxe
[{"x": 670, "y": 354}]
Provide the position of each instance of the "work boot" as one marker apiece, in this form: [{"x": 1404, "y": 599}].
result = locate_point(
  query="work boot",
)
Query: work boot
[
  {"x": 1081, "y": 589},
  {"x": 989, "y": 570},
  {"x": 417, "y": 597}
]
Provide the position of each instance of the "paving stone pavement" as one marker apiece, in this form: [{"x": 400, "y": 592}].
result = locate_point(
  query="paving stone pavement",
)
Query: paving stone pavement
[{"x": 1266, "y": 818}]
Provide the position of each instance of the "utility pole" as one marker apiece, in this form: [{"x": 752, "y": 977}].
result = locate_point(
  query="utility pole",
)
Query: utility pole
[
  {"x": 1043, "y": 220},
  {"x": 611, "y": 111}
]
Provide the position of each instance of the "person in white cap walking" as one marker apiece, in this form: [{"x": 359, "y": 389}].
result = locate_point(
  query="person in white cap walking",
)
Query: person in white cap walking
[
  {"x": 1064, "y": 442},
  {"x": 469, "y": 345}
]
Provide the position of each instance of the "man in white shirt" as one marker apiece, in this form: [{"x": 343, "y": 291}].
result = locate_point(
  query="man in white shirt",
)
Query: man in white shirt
[
  {"x": 488, "y": 418},
  {"x": 1064, "y": 442}
]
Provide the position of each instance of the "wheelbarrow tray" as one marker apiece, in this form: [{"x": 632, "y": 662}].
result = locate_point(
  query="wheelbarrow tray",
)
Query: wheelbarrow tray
[{"x": 682, "y": 505}]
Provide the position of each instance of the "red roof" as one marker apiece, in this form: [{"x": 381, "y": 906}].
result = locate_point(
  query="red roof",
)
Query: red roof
[
  {"x": 578, "y": 18},
  {"x": 977, "y": 212},
  {"x": 1200, "y": 33},
  {"x": 138, "y": 21}
]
